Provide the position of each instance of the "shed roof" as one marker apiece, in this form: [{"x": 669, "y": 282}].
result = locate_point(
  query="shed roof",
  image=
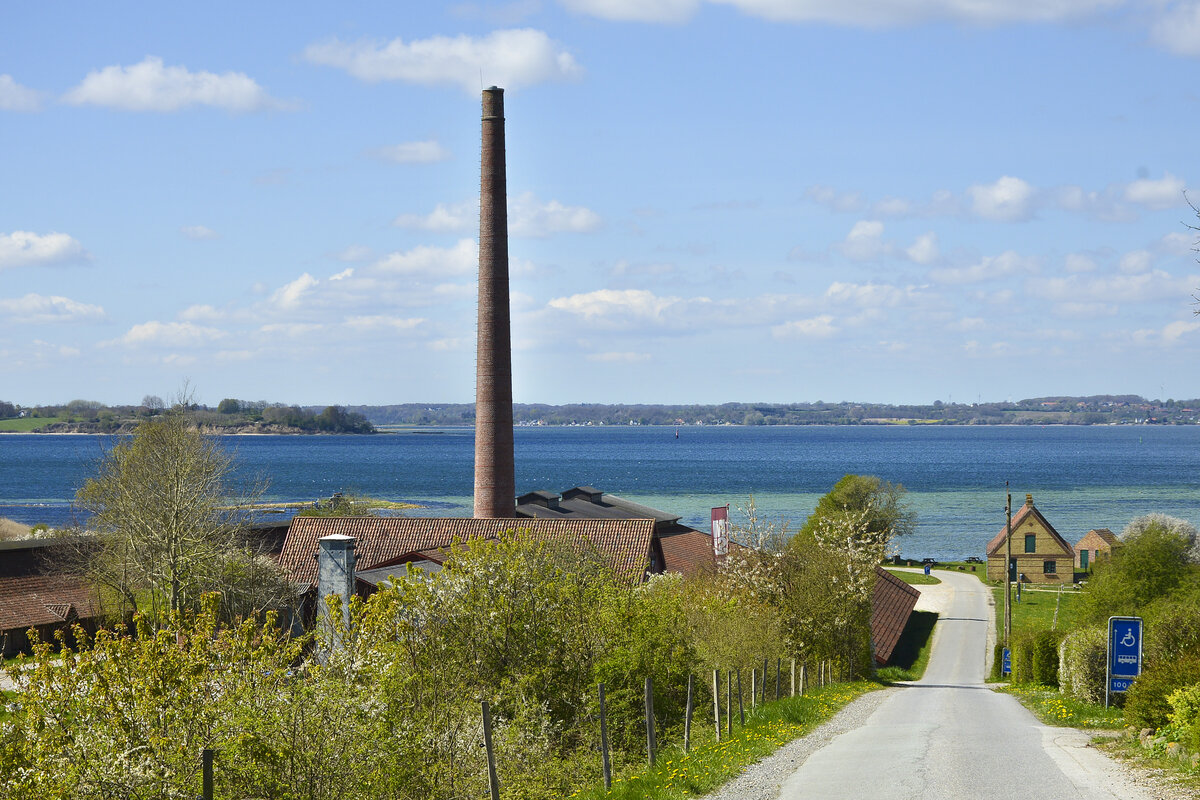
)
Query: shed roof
[
  {"x": 35, "y": 590},
  {"x": 586, "y": 502},
  {"x": 892, "y": 602},
  {"x": 1104, "y": 534},
  {"x": 380, "y": 541}
]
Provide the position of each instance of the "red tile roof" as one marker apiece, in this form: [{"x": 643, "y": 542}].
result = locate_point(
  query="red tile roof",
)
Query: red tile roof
[
  {"x": 29, "y": 600},
  {"x": 624, "y": 543},
  {"x": 688, "y": 552},
  {"x": 892, "y": 602}
]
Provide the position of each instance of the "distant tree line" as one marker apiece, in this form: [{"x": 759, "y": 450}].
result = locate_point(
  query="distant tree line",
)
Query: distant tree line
[
  {"x": 1092, "y": 410},
  {"x": 230, "y": 416}
]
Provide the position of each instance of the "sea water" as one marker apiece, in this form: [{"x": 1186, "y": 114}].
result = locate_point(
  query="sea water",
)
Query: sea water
[{"x": 1080, "y": 477}]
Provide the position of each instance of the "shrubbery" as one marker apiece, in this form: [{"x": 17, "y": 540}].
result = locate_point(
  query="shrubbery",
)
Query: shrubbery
[
  {"x": 1146, "y": 704},
  {"x": 1082, "y": 669}
]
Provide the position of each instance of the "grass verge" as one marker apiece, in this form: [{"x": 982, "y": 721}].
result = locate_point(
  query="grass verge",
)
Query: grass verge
[
  {"x": 915, "y": 578},
  {"x": 1170, "y": 770},
  {"x": 1053, "y": 708},
  {"x": 711, "y": 764},
  {"x": 1035, "y": 612},
  {"x": 911, "y": 655},
  {"x": 27, "y": 424}
]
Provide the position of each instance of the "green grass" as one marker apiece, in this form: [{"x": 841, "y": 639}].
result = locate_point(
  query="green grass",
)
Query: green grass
[
  {"x": 710, "y": 764},
  {"x": 1035, "y": 612},
  {"x": 1053, "y": 708},
  {"x": 915, "y": 578},
  {"x": 27, "y": 424},
  {"x": 911, "y": 655}
]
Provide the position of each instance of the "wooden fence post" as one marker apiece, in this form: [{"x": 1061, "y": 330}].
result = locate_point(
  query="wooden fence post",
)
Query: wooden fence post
[
  {"x": 778, "y": 664},
  {"x": 206, "y": 772},
  {"x": 741, "y": 708},
  {"x": 793, "y": 677},
  {"x": 753, "y": 687},
  {"x": 763, "y": 692},
  {"x": 605, "y": 763},
  {"x": 803, "y": 676},
  {"x": 493, "y": 781},
  {"x": 687, "y": 719},
  {"x": 717, "y": 701},
  {"x": 651, "y": 744},
  {"x": 728, "y": 701}
]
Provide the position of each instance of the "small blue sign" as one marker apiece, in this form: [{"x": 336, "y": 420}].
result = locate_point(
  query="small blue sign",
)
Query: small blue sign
[
  {"x": 1119, "y": 684},
  {"x": 1124, "y": 647},
  {"x": 1006, "y": 666}
]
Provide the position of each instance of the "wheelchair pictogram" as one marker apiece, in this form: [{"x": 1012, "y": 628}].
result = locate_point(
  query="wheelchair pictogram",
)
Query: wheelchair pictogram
[{"x": 1128, "y": 640}]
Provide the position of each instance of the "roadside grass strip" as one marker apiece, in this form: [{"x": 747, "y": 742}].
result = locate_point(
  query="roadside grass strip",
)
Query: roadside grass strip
[
  {"x": 915, "y": 578},
  {"x": 1053, "y": 708},
  {"x": 709, "y": 765},
  {"x": 911, "y": 655}
]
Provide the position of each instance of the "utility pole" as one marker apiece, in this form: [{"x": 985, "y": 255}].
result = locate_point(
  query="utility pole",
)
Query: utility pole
[{"x": 1007, "y": 567}]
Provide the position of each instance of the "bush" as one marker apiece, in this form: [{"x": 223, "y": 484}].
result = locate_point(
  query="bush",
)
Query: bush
[
  {"x": 1082, "y": 670},
  {"x": 1022, "y": 658},
  {"x": 1044, "y": 657},
  {"x": 1185, "y": 715},
  {"x": 1146, "y": 704}
]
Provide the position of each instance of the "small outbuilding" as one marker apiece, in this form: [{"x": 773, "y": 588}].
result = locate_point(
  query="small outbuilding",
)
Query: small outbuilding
[
  {"x": 1039, "y": 553},
  {"x": 1096, "y": 544}
]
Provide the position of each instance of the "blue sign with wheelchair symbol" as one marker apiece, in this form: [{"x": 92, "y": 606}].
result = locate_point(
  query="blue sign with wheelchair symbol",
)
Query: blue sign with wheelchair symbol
[{"x": 1124, "y": 650}]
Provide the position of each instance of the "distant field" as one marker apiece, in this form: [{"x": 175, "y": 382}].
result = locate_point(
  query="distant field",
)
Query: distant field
[{"x": 26, "y": 424}]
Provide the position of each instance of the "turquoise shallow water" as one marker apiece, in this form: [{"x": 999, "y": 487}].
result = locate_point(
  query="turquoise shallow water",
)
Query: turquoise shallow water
[{"x": 1081, "y": 477}]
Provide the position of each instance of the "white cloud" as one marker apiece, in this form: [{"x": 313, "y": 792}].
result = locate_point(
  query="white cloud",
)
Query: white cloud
[
  {"x": 509, "y": 58},
  {"x": 198, "y": 232},
  {"x": 865, "y": 241},
  {"x": 37, "y": 309},
  {"x": 424, "y": 152},
  {"x": 1077, "y": 262},
  {"x": 833, "y": 199},
  {"x": 1004, "y": 265},
  {"x": 23, "y": 248},
  {"x": 619, "y": 358},
  {"x": 866, "y": 295},
  {"x": 635, "y": 10},
  {"x": 528, "y": 217},
  {"x": 1177, "y": 244},
  {"x": 443, "y": 219},
  {"x": 348, "y": 272},
  {"x": 636, "y": 303},
  {"x": 1135, "y": 262},
  {"x": 820, "y": 327},
  {"x": 908, "y": 12},
  {"x": 1085, "y": 310},
  {"x": 1175, "y": 331},
  {"x": 201, "y": 313},
  {"x": 1152, "y": 285},
  {"x": 1007, "y": 200},
  {"x": 1165, "y": 192},
  {"x": 1177, "y": 29},
  {"x": 289, "y": 295},
  {"x": 376, "y": 322},
  {"x": 924, "y": 250},
  {"x": 967, "y": 324},
  {"x": 15, "y": 97},
  {"x": 151, "y": 86},
  {"x": 427, "y": 261},
  {"x": 169, "y": 334}
]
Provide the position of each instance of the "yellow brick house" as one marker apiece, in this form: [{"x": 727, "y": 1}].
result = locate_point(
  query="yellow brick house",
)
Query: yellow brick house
[{"x": 1039, "y": 553}]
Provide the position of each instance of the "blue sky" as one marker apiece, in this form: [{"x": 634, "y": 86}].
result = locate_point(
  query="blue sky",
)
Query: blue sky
[{"x": 709, "y": 200}]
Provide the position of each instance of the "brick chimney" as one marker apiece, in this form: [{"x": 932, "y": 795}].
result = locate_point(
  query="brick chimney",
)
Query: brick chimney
[{"x": 495, "y": 484}]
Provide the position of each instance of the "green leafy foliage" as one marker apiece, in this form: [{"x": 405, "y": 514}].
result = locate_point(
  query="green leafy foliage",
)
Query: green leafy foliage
[
  {"x": 1082, "y": 666},
  {"x": 1146, "y": 704}
]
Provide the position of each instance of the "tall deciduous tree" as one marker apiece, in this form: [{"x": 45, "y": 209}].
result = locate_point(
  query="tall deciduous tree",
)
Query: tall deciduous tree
[
  {"x": 878, "y": 507},
  {"x": 162, "y": 507}
]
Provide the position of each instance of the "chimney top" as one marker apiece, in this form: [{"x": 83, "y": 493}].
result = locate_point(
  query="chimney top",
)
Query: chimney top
[{"x": 1029, "y": 500}]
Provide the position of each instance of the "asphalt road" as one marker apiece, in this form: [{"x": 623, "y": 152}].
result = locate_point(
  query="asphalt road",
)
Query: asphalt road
[{"x": 949, "y": 736}]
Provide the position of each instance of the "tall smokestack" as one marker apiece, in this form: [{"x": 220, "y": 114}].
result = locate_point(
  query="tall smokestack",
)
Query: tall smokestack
[{"x": 495, "y": 485}]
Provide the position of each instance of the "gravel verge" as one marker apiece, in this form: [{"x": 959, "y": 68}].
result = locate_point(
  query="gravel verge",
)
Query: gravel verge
[{"x": 763, "y": 779}]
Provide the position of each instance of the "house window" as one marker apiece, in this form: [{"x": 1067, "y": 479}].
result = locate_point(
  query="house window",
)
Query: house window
[
  {"x": 1031, "y": 543},
  {"x": 1049, "y": 567}
]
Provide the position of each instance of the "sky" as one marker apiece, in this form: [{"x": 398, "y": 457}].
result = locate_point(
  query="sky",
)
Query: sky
[{"x": 892, "y": 201}]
